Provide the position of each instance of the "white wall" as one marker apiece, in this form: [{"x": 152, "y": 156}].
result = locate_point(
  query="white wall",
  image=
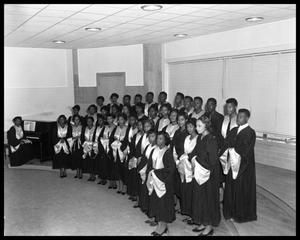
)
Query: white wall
[
  {"x": 38, "y": 83},
  {"x": 127, "y": 59},
  {"x": 259, "y": 36}
]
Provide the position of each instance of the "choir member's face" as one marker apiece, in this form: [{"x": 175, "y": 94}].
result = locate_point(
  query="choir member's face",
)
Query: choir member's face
[
  {"x": 104, "y": 112},
  {"x": 178, "y": 100},
  {"x": 149, "y": 98},
  {"x": 152, "y": 138},
  {"x": 75, "y": 111},
  {"x": 100, "y": 121},
  {"x": 114, "y": 110},
  {"x": 210, "y": 106},
  {"x": 92, "y": 110},
  {"x": 140, "y": 126},
  {"x": 181, "y": 121},
  {"x": 114, "y": 100},
  {"x": 190, "y": 128},
  {"x": 147, "y": 126},
  {"x": 164, "y": 111},
  {"x": 89, "y": 122},
  {"x": 100, "y": 102},
  {"x": 121, "y": 121},
  {"x": 126, "y": 100},
  {"x": 110, "y": 120},
  {"x": 162, "y": 98},
  {"x": 125, "y": 110},
  {"x": 173, "y": 117},
  {"x": 137, "y": 100},
  {"x": 230, "y": 107},
  {"x": 61, "y": 121},
  {"x": 152, "y": 113},
  {"x": 17, "y": 122},
  {"x": 76, "y": 121},
  {"x": 132, "y": 121},
  {"x": 200, "y": 127},
  {"x": 160, "y": 140},
  {"x": 138, "y": 110},
  {"x": 198, "y": 104},
  {"x": 187, "y": 103},
  {"x": 242, "y": 118}
]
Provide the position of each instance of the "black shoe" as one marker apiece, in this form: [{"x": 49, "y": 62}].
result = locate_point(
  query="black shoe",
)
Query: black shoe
[
  {"x": 118, "y": 191},
  {"x": 153, "y": 224},
  {"x": 65, "y": 175},
  {"x": 93, "y": 179},
  {"x": 100, "y": 182},
  {"x": 190, "y": 222},
  {"x": 114, "y": 187},
  {"x": 110, "y": 187},
  {"x": 89, "y": 179},
  {"x": 104, "y": 182},
  {"x": 136, "y": 206},
  {"x": 198, "y": 230},
  {"x": 76, "y": 176},
  {"x": 80, "y": 177},
  {"x": 148, "y": 221},
  {"x": 159, "y": 234},
  {"x": 61, "y": 176},
  {"x": 210, "y": 233},
  {"x": 130, "y": 198},
  {"x": 123, "y": 193}
]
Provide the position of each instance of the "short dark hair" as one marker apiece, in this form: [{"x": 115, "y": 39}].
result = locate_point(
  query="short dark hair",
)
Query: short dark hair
[
  {"x": 154, "y": 106},
  {"x": 150, "y": 93},
  {"x": 114, "y": 95},
  {"x": 101, "y": 97},
  {"x": 199, "y": 98},
  {"x": 106, "y": 108},
  {"x": 16, "y": 118},
  {"x": 76, "y": 116},
  {"x": 188, "y": 97},
  {"x": 149, "y": 121},
  {"x": 212, "y": 100},
  {"x": 123, "y": 115},
  {"x": 192, "y": 121},
  {"x": 133, "y": 115},
  {"x": 233, "y": 101},
  {"x": 246, "y": 111},
  {"x": 138, "y": 95},
  {"x": 206, "y": 120},
  {"x": 99, "y": 115},
  {"x": 151, "y": 131},
  {"x": 141, "y": 105},
  {"x": 89, "y": 117},
  {"x": 92, "y": 105},
  {"x": 127, "y": 96},
  {"x": 110, "y": 115},
  {"x": 62, "y": 116},
  {"x": 180, "y": 94},
  {"x": 163, "y": 93},
  {"x": 76, "y": 107},
  {"x": 183, "y": 114},
  {"x": 166, "y": 105},
  {"x": 166, "y": 136}
]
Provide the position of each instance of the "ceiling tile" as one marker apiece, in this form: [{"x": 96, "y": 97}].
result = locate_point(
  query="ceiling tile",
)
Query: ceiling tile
[
  {"x": 162, "y": 16},
  {"x": 98, "y": 8},
  {"x": 55, "y": 13},
  {"x": 180, "y": 10},
  {"x": 68, "y": 7},
  {"x": 207, "y": 13},
  {"x": 232, "y": 7},
  {"x": 33, "y": 6},
  {"x": 15, "y": 10}
]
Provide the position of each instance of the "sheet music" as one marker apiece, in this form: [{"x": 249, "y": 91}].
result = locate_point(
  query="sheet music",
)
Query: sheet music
[{"x": 29, "y": 125}]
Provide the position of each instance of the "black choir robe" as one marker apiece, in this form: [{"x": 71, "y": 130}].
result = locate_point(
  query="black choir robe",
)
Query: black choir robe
[
  {"x": 75, "y": 149},
  {"x": 163, "y": 209},
  {"x": 132, "y": 181},
  {"x": 177, "y": 144},
  {"x": 240, "y": 193},
  {"x": 216, "y": 122},
  {"x": 102, "y": 158},
  {"x": 205, "y": 201},
  {"x": 118, "y": 169},
  {"x": 61, "y": 160},
  {"x": 24, "y": 152}
]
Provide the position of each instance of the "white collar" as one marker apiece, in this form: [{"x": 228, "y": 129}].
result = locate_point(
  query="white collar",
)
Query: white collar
[{"x": 242, "y": 127}]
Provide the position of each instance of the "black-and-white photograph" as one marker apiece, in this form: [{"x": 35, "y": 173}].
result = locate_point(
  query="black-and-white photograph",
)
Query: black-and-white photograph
[{"x": 149, "y": 119}]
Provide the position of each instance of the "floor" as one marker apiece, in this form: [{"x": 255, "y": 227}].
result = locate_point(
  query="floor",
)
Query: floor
[{"x": 40, "y": 203}]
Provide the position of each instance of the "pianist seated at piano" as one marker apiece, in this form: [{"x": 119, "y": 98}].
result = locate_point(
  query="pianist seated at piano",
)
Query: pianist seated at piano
[
  {"x": 75, "y": 112},
  {"x": 20, "y": 148}
]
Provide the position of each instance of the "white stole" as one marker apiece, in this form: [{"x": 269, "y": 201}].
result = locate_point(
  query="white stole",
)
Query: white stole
[
  {"x": 171, "y": 129},
  {"x": 142, "y": 172},
  {"x": 133, "y": 161},
  {"x": 225, "y": 124},
  {"x": 153, "y": 182},
  {"x": 88, "y": 144},
  {"x": 145, "y": 142},
  {"x": 61, "y": 133},
  {"x": 201, "y": 174},
  {"x": 105, "y": 138},
  {"x": 230, "y": 159},
  {"x": 76, "y": 131},
  {"x": 116, "y": 145},
  {"x": 185, "y": 170},
  {"x": 162, "y": 123}
]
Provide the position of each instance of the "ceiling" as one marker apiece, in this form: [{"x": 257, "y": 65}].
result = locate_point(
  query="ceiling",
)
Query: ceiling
[{"x": 37, "y": 25}]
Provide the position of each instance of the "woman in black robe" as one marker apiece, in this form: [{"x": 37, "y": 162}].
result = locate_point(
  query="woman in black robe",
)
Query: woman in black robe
[
  {"x": 20, "y": 148},
  {"x": 172, "y": 127},
  {"x": 89, "y": 148},
  {"x": 205, "y": 202},
  {"x": 135, "y": 153},
  {"x": 240, "y": 183},
  {"x": 75, "y": 111},
  {"x": 61, "y": 159},
  {"x": 119, "y": 148},
  {"x": 178, "y": 149},
  {"x": 101, "y": 166},
  {"x": 74, "y": 140},
  {"x": 160, "y": 184}
]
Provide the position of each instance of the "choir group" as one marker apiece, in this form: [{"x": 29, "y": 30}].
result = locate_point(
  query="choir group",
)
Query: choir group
[{"x": 168, "y": 159}]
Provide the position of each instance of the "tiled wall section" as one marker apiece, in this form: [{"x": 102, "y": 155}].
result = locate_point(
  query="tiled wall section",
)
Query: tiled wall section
[{"x": 276, "y": 154}]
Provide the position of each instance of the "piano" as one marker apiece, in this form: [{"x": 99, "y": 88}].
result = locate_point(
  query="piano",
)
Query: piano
[{"x": 40, "y": 133}]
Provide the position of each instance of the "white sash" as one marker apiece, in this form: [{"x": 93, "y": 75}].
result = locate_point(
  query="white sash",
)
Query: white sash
[
  {"x": 225, "y": 124},
  {"x": 231, "y": 159},
  {"x": 162, "y": 123},
  {"x": 116, "y": 145},
  {"x": 153, "y": 181},
  {"x": 142, "y": 172},
  {"x": 171, "y": 129},
  {"x": 88, "y": 144},
  {"x": 61, "y": 133},
  {"x": 145, "y": 142},
  {"x": 105, "y": 138},
  {"x": 201, "y": 174},
  {"x": 186, "y": 170},
  {"x": 76, "y": 131}
]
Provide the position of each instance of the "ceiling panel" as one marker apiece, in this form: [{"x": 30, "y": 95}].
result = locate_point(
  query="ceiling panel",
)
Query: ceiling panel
[{"x": 37, "y": 25}]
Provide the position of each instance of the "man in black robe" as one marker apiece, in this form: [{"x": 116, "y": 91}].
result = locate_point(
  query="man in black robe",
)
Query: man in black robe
[{"x": 240, "y": 184}]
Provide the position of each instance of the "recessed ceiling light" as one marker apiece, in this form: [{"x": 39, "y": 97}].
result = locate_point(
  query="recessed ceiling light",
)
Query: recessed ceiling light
[
  {"x": 92, "y": 29},
  {"x": 180, "y": 35},
  {"x": 254, "y": 19},
  {"x": 151, "y": 7},
  {"x": 58, "y": 41}
]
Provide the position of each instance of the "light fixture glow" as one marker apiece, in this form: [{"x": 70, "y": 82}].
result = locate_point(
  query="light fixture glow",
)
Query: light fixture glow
[
  {"x": 254, "y": 19},
  {"x": 152, "y": 7},
  {"x": 58, "y": 41},
  {"x": 92, "y": 29},
  {"x": 180, "y": 35}
]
